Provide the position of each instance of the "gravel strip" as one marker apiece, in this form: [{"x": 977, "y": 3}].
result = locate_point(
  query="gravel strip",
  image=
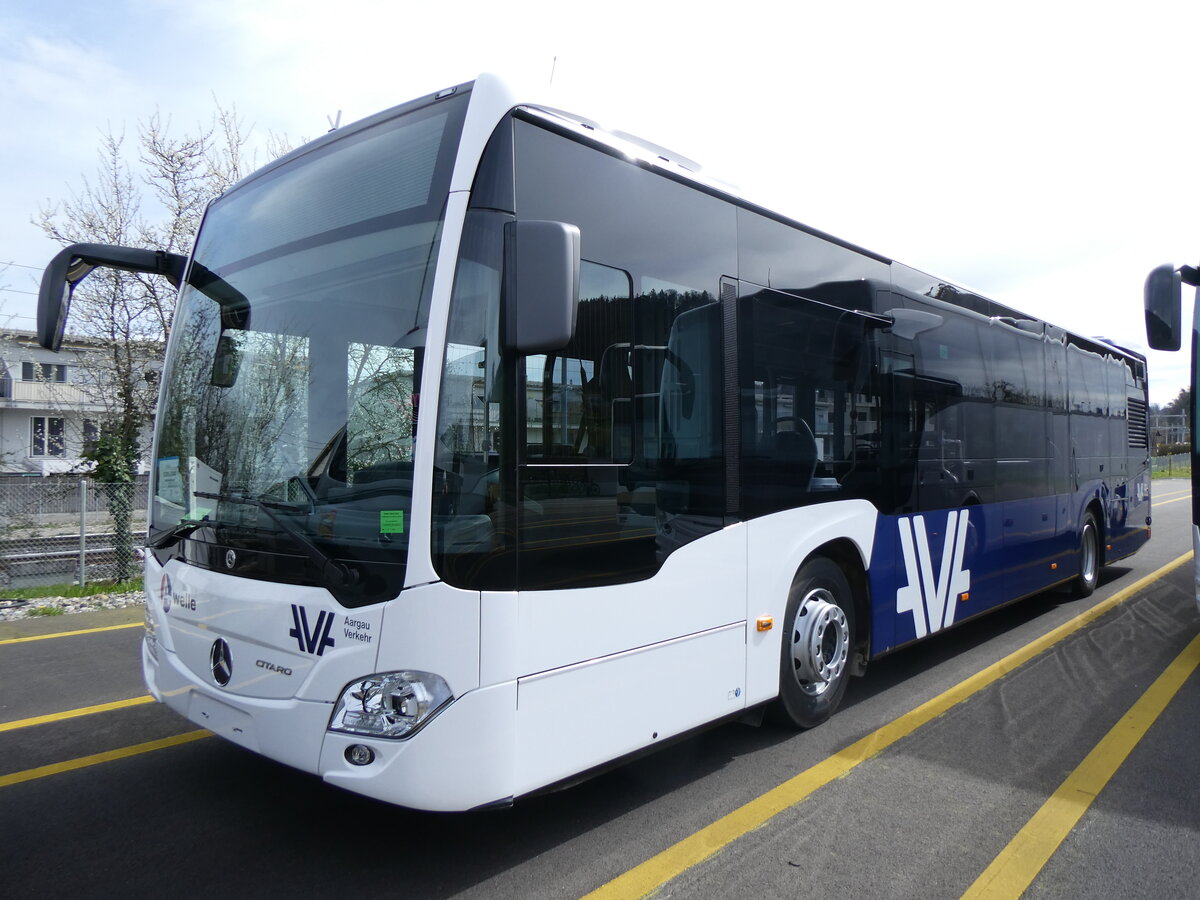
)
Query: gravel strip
[{"x": 11, "y": 610}]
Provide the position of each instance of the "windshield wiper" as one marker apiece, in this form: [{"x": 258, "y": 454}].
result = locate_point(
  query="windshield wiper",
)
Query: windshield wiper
[
  {"x": 169, "y": 537},
  {"x": 336, "y": 575}
]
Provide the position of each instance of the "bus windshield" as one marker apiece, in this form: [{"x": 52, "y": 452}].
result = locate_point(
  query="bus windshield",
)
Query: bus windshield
[{"x": 292, "y": 379}]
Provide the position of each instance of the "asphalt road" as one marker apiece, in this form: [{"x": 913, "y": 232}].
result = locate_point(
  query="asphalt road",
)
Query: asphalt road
[{"x": 868, "y": 805}]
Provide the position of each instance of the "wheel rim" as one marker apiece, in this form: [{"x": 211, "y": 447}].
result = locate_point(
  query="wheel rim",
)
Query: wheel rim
[
  {"x": 1087, "y": 565},
  {"x": 820, "y": 642}
]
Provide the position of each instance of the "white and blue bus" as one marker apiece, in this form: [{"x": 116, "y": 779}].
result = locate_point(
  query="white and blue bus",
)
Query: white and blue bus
[{"x": 494, "y": 448}]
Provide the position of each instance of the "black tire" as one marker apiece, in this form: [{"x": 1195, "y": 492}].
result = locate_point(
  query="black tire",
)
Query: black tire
[
  {"x": 1088, "y": 575},
  {"x": 822, "y": 646}
]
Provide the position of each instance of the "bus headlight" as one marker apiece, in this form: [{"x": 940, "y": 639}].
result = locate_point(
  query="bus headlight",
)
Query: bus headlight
[
  {"x": 151, "y": 632},
  {"x": 389, "y": 704}
]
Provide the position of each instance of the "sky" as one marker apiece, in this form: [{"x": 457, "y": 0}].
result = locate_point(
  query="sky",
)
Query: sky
[{"x": 1041, "y": 153}]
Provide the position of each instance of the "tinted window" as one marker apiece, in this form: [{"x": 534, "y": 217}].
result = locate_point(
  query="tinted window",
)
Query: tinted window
[
  {"x": 956, "y": 383},
  {"x": 293, "y": 372},
  {"x": 1086, "y": 371},
  {"x": 667, "y": 235},
  {"x": 810, "y": 422},
  {"x": 954, "y": 425},
  {"x": 776, "y": 255},
  {"x": 1117, "y": 405},
  {"x": 579, "y": 401},
  {"x": 1016, "y": 368},
  {"x": 1058, "y": 436},
  {"x": 622, "y": 430},
  {"x": 474, "y": 515}
]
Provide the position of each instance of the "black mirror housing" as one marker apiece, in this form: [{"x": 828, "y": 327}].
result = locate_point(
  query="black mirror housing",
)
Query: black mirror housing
[
  {"x": 1163, "y": 297},
  {"x": 72, "y": 264},
  {"x": 226, "y": 362},
  {"x": 541, "y": 287},
  {"x": 54, "y": 300}
]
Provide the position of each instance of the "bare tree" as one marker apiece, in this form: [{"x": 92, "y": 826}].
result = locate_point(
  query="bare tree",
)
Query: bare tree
[
  {"x": 130, "y": 315},
  {"x": 184, "y": 174}
]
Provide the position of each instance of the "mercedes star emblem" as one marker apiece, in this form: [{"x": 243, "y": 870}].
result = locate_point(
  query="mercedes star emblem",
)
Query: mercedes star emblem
[
  {"x": 164, "y": 591},
  {"x": 221, "y": 662},
  {"x": 230, "y": 559}
]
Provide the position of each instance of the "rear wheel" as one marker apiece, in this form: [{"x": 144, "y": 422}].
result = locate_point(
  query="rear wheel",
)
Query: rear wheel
[
  {"x": 1089, "y": 556},
  {"x": 816, "y": 648}
]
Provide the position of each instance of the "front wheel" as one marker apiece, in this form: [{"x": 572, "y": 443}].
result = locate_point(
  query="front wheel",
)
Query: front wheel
[
  {"x": 1089, "y": 557},
  {"x": 816, "y": 648}
]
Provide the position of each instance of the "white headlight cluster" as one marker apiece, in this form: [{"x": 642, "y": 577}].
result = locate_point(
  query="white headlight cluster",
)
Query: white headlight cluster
[
  {"x": 389, "y": 704},
  {"x": 151, "y": 634}
]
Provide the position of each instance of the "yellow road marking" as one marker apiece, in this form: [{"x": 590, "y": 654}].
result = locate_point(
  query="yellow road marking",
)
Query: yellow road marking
[
  {"x": 1176, "y": 500},
  {"x": 75, "y": 713},
  {"x": 59, "y": 634},
  {"x": 1028, "y": 852},
  {"x": 107, "y": 756},
  {"x": 712, "y": 839}
]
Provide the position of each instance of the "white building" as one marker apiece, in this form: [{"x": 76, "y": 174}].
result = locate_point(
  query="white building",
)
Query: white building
[{"x": 47, "y": 412}]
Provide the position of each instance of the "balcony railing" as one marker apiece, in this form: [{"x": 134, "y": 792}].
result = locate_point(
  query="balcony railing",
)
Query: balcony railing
[{"x": 42, "y": 393}]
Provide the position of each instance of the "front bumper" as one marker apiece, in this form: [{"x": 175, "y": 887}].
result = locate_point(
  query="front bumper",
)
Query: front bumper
[{"x": 464, "y": 758}]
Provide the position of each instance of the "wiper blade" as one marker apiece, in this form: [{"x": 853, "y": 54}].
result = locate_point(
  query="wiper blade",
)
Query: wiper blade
[
  {"x": 171, "y": 536},
  {"x": 336, "y": 575}
]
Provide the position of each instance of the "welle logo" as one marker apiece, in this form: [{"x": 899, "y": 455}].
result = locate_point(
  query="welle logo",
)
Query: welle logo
[
  {"x": 930, "y": 599},
  {"x": 316, "y": 640}
]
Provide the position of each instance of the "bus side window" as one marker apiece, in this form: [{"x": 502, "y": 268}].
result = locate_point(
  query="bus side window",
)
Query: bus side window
[
  {"x": 578, "y": 402},
  {"x": 810, "y": 421}
]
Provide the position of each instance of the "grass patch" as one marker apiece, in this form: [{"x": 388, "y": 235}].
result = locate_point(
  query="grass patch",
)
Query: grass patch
[
  {"x": 70, "y": 590},
  {"x": 47, "y": 611},
  {"x": 1176, "y": 472}
]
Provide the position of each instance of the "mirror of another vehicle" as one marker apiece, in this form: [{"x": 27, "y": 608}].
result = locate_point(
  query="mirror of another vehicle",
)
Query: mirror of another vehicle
[{"x": 1164, "y": 326}]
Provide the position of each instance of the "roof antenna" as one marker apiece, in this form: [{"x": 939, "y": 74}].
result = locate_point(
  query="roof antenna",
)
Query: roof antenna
[
  {"x": 553, "y": 63},
  {"x": 334, "y": 123}
]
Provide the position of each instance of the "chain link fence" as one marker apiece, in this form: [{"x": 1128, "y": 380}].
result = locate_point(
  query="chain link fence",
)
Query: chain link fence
[
  {"x": 70, "y": 531},
  {"x": 1177, "y": 464}
]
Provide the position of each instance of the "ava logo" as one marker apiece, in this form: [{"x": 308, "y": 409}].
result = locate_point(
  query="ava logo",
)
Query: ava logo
[
  {"x": 314, "y": 641},
  {"x": 931, "y": 600}
]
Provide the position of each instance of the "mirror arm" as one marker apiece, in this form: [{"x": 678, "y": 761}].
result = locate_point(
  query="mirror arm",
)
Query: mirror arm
[
  {"x": 83, "y": 258},
  {"x": 74, "y": 263}
]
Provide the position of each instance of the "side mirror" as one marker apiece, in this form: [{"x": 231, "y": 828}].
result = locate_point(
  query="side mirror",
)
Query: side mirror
[
  {"x": 74, "y": 263},
  {"x": 541, "y": 286},
  {"x": 1164, "y": 295}
]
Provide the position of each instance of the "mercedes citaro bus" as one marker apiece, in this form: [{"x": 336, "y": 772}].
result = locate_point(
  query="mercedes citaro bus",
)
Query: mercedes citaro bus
[{"x": 493, "y": 448}]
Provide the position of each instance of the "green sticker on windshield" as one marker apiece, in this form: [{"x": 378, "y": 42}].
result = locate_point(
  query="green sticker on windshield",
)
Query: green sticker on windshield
[{"x": 391, "y": 521}]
